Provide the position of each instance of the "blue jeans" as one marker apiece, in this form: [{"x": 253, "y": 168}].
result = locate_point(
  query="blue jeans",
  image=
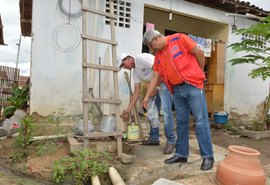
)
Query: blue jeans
[
  {"x": 153, "y": 120},
  {"x": 158, "y": 102},
  {"x": 189, "y": 98},
  {"x": 166, "y": 105}
]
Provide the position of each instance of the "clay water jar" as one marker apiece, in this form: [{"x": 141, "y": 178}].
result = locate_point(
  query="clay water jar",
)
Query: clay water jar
[{"x": 240, "y": 167}]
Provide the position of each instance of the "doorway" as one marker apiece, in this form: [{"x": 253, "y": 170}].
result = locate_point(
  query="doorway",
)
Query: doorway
[{"x": 199, "y": 27}]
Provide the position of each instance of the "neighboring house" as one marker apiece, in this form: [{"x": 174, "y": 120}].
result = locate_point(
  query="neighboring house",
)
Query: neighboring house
[
  {"x": 9, "y": 77},
  {"x": 56, "y": 70}
]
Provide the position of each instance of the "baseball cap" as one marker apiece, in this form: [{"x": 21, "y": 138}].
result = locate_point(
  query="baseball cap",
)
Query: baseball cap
[
  {"x": 149, "y": 35},
  {"x": 120, "y": 59}
]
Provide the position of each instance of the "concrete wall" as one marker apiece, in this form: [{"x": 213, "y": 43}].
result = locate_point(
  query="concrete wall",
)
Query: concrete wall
[
  {"x": 56, "y": 76},
  {"x": 242, "y": 92}
]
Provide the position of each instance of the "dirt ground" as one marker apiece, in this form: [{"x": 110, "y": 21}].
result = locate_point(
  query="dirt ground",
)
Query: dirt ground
[
  {"x": 40, "y": 166},
  {"x": 223, "y": 139}
]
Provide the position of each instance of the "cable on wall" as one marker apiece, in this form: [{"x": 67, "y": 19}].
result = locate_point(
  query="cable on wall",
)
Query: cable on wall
[
  {"x": 63, "y": 31},
  {"x": 66, "y": 37},
  {"x": 67, "y": 12}
]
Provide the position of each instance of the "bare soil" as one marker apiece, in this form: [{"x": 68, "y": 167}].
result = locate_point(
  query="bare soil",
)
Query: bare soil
[{"x": 224, "y": 139}]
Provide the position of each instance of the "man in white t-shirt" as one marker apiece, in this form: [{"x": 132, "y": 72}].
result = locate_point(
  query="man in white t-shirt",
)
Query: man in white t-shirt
[{"x": 142, "y": 71}]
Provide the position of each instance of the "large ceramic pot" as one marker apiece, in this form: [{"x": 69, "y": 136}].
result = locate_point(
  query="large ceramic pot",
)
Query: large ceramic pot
[{"x": 240, "y": 167}]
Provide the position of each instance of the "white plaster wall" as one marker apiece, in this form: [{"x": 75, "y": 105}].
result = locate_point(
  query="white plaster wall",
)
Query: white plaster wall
[
  {"x": 241, "y": 91},
  {"x": 56, "y": 76}
]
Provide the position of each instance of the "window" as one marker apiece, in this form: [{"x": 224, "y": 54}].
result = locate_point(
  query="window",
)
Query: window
[
  {"x": 246, "y": 36},
  {"x": 123, "y": 11}
]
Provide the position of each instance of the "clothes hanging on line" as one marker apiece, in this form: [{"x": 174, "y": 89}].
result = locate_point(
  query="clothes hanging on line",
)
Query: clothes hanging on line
[{"x": 205, "y": 44}]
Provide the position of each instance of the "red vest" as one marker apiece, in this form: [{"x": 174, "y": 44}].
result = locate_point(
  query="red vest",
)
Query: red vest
[{"x": 185, "y": 63}]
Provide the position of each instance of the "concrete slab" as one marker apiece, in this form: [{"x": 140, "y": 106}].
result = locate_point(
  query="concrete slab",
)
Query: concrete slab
[
  {"x": 148, "y": 164},
  {"x": 256, "y": 135},
  {"x": 99, "y": 145},
  {"x": 163, "y": 181},
  {"x": 74, "y": 145}
]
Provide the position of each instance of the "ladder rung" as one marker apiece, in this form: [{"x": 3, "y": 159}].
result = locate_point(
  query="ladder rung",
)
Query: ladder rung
[
  {"x": 99, "y": 12},
  {"x": 101, "y": 134},
  {"x": 98, "y": 66},
  {"x": 99, "y": 39},
  {"x": 100, "y": 100}
]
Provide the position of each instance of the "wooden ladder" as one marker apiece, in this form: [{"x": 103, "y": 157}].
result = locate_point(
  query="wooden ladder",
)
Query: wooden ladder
[{"x": 86, "y": 65}]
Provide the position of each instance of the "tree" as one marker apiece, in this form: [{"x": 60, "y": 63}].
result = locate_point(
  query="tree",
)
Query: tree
[{"x": 257, "y": 52}]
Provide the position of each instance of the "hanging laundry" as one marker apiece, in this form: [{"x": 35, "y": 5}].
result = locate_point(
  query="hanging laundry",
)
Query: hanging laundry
[
  {"x": 150, "y": 26},
  {"x": 205, "y": 44},
  {"x": 207, "y": 48}
]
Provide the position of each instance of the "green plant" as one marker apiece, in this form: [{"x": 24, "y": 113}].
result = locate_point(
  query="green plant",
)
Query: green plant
[
  {"x": 80, "y": 167},
  {"x": 229, "y": 127},
  {"x": 92, "y": 110},
  {"x": 17, "y": 100},
  {"x": 256, "y": 125},
  {"x": 257, "y": 53},
  {"x": 18, "y": 156},
  {"x": 24, "y": 139},
  {"x": 46, "y": 147}
]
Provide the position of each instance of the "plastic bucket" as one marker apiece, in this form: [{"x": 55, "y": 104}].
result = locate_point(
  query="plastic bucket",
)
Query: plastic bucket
[
  {"x": 78, "y": 130},
  {"x": 133, "y": 132},
  {"x": 220, "y": 119},
  {"x": 108, "y": 123}
]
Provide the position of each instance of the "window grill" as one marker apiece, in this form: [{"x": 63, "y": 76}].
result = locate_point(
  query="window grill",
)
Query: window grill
[
  {"x": 123, "y": 11},
  {"x": 261, "y": 38}
]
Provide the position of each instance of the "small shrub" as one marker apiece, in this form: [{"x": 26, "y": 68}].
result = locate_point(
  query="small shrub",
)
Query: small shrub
[
  {"x": 23, "y": 140},
  {"x": 18, "y": 156},
  {"x": 256, "y": 125},
  {"x": 48, "y": 146},
  {"x": 80, "y": 167},
  {"x": 229, "y": 127}
]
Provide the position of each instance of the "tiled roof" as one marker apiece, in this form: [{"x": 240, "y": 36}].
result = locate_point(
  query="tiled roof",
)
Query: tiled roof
[
  {"x": 229, "y": 6},
  {"x": 233, "y": 6},
  {"x": 26, "y": 17}
]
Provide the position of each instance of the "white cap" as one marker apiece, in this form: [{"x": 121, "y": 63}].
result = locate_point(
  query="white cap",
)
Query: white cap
[
  {"x": 149, "y": 35},
  {"x": 121, "y": 58}
]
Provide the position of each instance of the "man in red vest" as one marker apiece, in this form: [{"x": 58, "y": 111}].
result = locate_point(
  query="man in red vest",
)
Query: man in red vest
[{"x": 180, "y": 64}]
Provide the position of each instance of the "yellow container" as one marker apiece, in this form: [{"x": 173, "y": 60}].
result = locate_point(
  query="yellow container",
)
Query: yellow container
[{"x": 133, "y": 132}]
